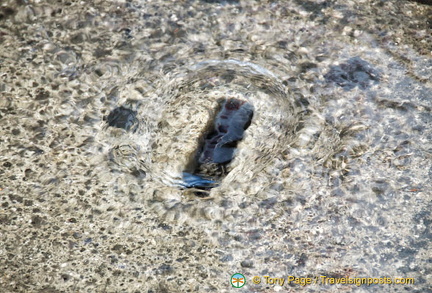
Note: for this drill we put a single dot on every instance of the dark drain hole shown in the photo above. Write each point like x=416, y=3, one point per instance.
x=218, y=146
x=124, y=118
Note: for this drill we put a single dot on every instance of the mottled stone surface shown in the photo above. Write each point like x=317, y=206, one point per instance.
x=355, y=72
x=326, y=181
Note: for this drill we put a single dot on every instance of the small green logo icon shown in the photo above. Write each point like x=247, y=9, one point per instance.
x=238, y=280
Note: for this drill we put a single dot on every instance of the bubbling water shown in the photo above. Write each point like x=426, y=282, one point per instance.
x=184, y=110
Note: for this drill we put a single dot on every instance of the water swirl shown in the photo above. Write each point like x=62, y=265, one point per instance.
x=187, y=104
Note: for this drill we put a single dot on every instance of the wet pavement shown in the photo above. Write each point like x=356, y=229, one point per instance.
x=106, y=108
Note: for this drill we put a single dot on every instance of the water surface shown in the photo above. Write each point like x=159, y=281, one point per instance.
x=332, y=177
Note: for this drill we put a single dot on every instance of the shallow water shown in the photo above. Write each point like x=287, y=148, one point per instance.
x=332, y=177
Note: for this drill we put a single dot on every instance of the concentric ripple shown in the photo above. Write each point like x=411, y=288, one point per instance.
x=183, y=108
x=189, y=102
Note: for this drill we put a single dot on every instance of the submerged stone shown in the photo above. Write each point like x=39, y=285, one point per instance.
x=231, y=122
x=220, y=143
x=124, y=118
x=355, y=72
